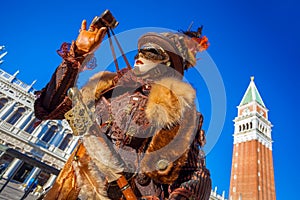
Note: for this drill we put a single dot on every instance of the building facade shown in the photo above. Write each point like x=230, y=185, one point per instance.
x=252, y=171
x=215, y=196
x=51, y=142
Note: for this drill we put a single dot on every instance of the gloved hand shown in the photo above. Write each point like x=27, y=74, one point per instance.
x=89, y=40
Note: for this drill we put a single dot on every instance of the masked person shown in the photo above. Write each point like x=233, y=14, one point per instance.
x=145, y=118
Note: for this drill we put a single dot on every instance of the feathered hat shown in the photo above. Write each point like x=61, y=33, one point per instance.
x=181, y=47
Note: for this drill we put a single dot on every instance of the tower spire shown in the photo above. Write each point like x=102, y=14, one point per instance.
x=252, y=94
x=252, y=172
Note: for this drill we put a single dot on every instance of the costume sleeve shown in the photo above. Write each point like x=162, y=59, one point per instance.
x=194, y=180
x=197, y=187
x=52, y=101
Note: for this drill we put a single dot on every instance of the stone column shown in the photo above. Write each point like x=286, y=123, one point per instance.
x=57, y=139
x=39, y=130
x=34, y=172
x=7, y=108
x=50, y=181
x=12, y=168
x=72, y=146
x=27, y=114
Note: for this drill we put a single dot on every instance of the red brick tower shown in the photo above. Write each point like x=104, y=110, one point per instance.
x=252, y=172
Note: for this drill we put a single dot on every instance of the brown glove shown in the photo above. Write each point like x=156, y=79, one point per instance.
x=89, y=40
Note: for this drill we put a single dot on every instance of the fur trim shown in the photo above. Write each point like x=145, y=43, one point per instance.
x=90, y=180
x=102, y=154
x=96, y=85
x=168, y=99
x=170, y=146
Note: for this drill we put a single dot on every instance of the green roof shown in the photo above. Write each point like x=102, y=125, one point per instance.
x=252, y=94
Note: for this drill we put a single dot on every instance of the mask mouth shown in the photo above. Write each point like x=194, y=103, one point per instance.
x=143, y=65
x=139, y=62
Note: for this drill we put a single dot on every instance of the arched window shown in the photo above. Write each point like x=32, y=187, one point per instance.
x=65, y=142
x=17, y=114
x=247, y=126
x=49, y=134
x=251, y=125
x=3, y=101
x=30, y=128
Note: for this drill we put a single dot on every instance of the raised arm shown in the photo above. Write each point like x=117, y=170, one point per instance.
x=52, y=101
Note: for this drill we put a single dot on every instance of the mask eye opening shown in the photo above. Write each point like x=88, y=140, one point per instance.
x=153, y=52
x=150, y=50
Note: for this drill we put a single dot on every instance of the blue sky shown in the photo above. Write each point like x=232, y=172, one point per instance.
x=248, y=38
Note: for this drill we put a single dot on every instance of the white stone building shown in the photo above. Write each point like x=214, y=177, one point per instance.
x=51, y=142
x=215, y=196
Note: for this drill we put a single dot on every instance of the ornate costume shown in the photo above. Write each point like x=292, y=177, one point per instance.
x=146, y=117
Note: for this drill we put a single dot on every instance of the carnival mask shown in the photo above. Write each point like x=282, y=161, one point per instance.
x=148, y=57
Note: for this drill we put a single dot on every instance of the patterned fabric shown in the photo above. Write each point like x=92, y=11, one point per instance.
x=198, y=184
x=181, y=194
x=194, y=177
x=121, y=117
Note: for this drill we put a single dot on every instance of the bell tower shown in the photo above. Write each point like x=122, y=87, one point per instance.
x=252, y=171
